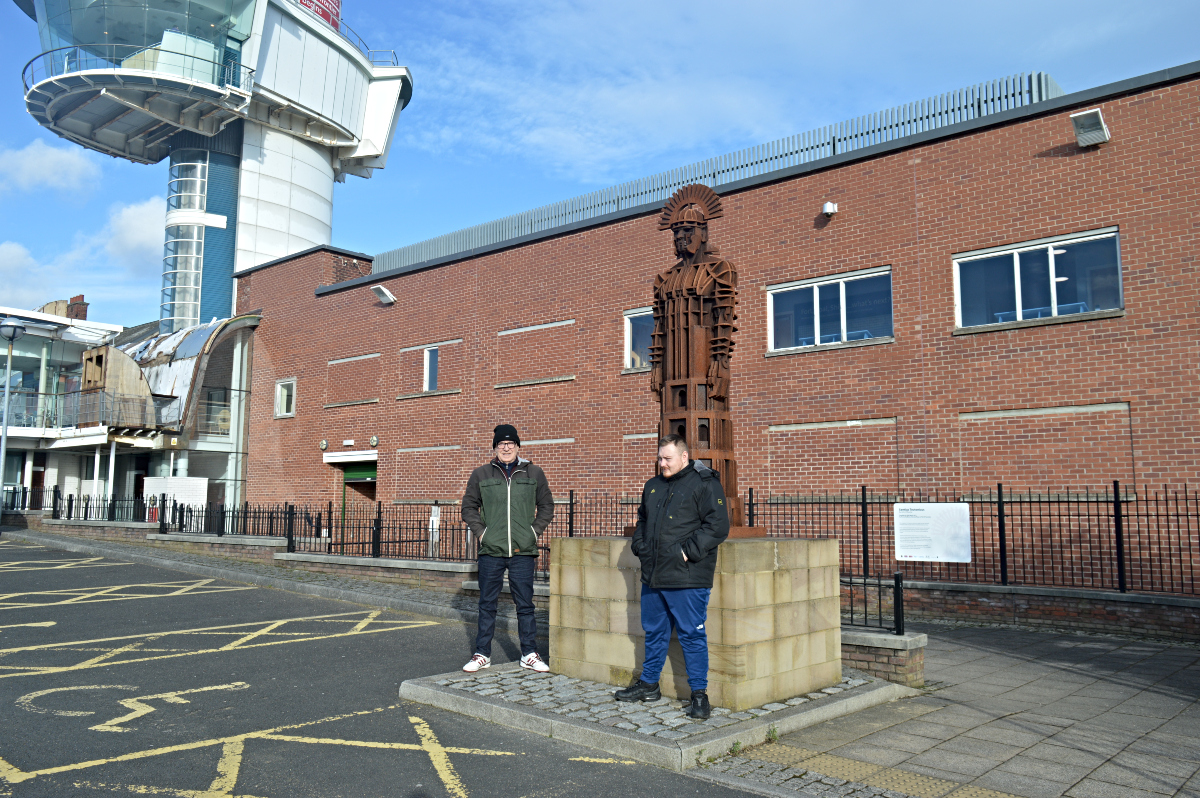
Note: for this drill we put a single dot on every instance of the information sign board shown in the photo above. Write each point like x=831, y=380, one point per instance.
x=328, y=10
x=933, y=531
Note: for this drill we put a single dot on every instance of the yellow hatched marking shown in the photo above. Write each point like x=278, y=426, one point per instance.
x=88, y=595
x=39, y=623
x=116, y=650
x=888, y=778
x=232, y=750
x=56, y=565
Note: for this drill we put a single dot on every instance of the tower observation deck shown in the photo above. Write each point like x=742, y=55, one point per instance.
x=260, y=106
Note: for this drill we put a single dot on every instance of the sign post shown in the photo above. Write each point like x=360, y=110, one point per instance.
x=933, y=531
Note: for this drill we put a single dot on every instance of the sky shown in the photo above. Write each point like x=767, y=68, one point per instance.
x=520, y=104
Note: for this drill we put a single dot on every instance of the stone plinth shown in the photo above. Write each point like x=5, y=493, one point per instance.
x=774, y=620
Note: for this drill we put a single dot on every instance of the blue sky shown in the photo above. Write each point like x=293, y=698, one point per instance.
x=520, y=104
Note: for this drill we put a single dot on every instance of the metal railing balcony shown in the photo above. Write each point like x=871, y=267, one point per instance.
x=33, y=410
x=155, y=59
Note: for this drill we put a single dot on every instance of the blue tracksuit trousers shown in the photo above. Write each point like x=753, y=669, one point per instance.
x=684, y=610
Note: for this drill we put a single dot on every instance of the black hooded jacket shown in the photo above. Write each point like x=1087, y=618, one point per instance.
x=683, y=513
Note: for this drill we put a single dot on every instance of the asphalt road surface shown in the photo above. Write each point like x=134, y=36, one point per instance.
x=118, y=678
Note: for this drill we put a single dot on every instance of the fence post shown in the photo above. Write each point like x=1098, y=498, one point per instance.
x=1119, y=524
x=866, y=554
x=571, y=514
x=377, y=531
x=750, y=507
x=898, y=603
x=112, y=507
x=57, y=511
x=221, y=520
x=289, y=526
x=70, y=506
x=329, y=546
x=1003, y=533
x=162, y=514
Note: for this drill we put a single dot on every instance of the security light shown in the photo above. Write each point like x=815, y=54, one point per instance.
x=11, y=330
x=1090, y=129
x=385, y=296
x=829, y=209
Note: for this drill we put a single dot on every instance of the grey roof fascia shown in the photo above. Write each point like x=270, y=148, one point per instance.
x=27, y=7
x=1105, y=92
x=595, y=221
x=302, y=253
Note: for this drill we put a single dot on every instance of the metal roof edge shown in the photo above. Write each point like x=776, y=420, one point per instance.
x=1107, y=91
x=303, y=252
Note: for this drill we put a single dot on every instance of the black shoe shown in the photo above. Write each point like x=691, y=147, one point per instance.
x=639, y=691
x=699, y=708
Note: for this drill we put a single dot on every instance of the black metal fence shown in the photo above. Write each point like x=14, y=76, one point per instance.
x=1115, y=538
x=876, y=602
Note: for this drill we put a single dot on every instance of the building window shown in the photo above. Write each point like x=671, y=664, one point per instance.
x=1063, y=276
x=285, y=398
x=430, y=381
x=183, y=257
x=639, y=327
x=830, y=310
x=187, y=184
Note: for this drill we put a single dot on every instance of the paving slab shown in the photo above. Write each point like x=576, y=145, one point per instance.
x=650, y=740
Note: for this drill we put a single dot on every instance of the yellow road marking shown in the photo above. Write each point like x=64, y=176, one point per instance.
x=39, y=623
x=232, y=749
x=888, y=778
x=439, y=757
x=56, y=565
x=116, y=650
x=603, y=761
x=140, y=708
x=25, y=702
x=89, y=595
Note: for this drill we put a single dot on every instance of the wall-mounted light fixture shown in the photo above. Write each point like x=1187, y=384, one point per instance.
x=385, y=296
x=1090, y=129
x=829, y=209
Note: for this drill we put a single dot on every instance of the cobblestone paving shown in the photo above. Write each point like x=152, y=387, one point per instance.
x=804, y=782
x=594, y=702
x=277, y=576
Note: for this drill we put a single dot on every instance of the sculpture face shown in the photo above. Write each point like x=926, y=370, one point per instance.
x=689, y=238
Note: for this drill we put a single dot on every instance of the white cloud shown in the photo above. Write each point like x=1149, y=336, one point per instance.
x=21, y=276
x=134, y=236
x=37, y=165
x=115, y=268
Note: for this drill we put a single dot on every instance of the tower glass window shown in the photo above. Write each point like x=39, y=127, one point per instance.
x=187, y=184
x=182, y=271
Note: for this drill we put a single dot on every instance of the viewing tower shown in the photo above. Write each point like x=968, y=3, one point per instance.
x=259, y=105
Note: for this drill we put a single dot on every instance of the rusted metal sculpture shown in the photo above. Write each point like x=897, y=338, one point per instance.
x=695, y=303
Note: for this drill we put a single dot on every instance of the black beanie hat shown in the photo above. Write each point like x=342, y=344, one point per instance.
x=505, y=432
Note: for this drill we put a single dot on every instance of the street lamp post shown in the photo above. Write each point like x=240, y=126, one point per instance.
x=10, y=330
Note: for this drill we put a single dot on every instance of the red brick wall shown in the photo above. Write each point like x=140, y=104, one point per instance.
x=909, y=209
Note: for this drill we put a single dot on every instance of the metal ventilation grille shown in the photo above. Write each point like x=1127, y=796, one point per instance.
x=961, y=105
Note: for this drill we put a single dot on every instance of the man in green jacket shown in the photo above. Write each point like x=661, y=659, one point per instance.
x=507, y=506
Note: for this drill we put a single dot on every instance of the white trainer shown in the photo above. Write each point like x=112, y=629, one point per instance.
x=534, y=663
x=478, y=663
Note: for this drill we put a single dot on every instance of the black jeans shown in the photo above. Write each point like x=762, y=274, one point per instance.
x=520, y=569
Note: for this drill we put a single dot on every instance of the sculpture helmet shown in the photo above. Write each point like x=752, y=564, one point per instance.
x=694, y=204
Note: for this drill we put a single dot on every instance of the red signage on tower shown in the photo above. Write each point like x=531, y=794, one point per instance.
x=328, y=10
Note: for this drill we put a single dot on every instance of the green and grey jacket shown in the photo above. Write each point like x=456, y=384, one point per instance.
x=508, y=514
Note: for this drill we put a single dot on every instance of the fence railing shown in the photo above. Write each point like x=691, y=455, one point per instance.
x=30, y=409
x=159, y=58
x=875, y=602
x=956, y=106
x=1115, y=538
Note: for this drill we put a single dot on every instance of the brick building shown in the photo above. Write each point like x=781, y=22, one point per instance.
x=991, y=302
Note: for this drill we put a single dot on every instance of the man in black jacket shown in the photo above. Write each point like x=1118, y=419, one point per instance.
x=681, y=522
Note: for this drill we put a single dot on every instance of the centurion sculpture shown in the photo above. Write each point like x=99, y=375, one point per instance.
x=695, y=303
